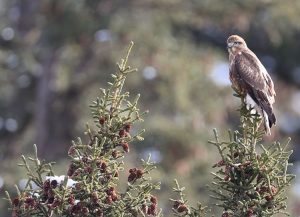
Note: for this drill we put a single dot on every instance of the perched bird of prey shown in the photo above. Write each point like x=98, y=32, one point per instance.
x=251, y=80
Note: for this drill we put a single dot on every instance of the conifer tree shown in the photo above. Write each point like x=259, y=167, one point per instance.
x=91, y=186
x=252, y=177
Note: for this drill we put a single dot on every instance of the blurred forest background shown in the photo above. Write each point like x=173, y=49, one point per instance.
x=56, y=54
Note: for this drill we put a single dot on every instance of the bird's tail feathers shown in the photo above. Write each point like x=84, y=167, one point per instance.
x=272, y=120
x=267, y=123
x=269, y=119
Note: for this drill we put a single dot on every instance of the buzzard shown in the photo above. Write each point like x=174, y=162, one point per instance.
x=251, y=80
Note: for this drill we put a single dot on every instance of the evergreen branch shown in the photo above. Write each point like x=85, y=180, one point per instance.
x=249, y=183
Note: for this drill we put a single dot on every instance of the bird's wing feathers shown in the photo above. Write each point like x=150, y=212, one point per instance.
x=269, y=81
x=254, y=74
x=257, y=81
x=248, y=68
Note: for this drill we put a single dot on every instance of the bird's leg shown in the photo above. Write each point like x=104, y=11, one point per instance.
x=243, y=99
x=237, y=91
x=242, y=95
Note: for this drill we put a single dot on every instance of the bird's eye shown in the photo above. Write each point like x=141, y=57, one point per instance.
x=237, y=43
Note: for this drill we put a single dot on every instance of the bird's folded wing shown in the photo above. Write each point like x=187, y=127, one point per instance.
x=247, y=66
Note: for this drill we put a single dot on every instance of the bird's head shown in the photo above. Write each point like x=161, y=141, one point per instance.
x=235, y=43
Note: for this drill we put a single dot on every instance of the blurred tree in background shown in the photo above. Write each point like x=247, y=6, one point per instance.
x=55, y=54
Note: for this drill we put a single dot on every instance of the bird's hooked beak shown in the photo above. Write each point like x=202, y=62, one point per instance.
x=229, y=45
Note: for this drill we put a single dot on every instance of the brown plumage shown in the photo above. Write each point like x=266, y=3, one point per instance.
x=251, y=80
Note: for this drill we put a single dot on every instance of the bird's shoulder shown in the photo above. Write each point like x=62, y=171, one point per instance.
x=247, y=57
